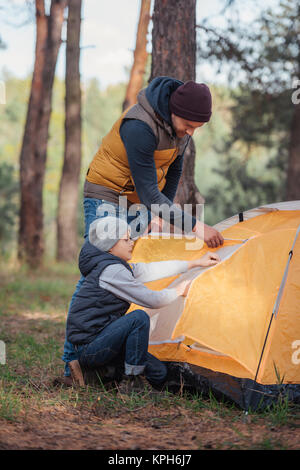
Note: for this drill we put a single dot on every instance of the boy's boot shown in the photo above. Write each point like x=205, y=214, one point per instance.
x=76, y=373
x=100, y=376
x=133, y=383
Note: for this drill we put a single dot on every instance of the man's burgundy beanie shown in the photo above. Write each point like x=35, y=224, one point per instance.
x=191, y=101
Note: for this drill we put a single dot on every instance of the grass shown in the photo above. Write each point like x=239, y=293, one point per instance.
x=32, y=324
x=270, y=444
x=10, y=403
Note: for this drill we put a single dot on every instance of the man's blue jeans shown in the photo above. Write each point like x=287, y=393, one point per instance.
x=127, y=339
x=91, y=206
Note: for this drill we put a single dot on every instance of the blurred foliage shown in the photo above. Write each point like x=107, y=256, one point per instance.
x=8, y=205
x=231, y=180
x=264, y=60
x=236, y=177
x=241, y=153
x=100, y=109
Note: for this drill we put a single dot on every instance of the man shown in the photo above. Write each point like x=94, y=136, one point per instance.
x=142, y=157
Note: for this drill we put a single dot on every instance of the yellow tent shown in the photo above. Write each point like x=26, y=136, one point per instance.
x=238, y=330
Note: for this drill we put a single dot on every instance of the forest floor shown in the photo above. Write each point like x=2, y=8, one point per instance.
x=36, y=415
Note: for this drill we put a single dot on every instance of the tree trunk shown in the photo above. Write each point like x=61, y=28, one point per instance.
x=34, y=145
x=174, y=55
x=174, y=39
x=140, y=56
x=67, y=245
x=187, y=191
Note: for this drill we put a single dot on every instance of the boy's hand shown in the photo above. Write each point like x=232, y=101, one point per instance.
x=183, y=288
x=209, y=259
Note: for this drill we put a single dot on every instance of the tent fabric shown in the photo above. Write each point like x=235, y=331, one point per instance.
x=226, y=323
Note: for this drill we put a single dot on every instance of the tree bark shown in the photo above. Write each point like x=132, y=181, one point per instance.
x=174, y=55
x=187, y=191
x=140, y=57
x=67, y=245
x=174, y=39
x=34, y=145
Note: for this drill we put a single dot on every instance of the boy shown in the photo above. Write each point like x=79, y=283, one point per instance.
x=97, y=324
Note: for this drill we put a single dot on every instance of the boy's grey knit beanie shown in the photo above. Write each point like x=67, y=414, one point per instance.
x=105, y=232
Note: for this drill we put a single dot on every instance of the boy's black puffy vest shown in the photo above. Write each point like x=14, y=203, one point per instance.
x=93, y=307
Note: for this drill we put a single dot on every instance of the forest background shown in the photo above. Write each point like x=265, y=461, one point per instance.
x=248, y=52
x=238, y=165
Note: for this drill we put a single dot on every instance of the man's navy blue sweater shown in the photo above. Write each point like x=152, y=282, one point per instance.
x=140, y=143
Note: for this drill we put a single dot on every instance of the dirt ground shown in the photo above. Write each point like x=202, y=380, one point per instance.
x=36, y=415
x=150, y=427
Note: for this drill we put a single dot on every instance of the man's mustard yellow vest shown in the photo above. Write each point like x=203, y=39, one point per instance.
x=110, y=167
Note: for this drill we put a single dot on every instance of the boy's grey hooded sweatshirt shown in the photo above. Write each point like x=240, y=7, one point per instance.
x=130, y=286
x=110, y=285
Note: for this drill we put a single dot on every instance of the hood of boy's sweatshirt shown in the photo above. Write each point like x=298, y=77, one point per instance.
x=156, y=98
x=89, y=257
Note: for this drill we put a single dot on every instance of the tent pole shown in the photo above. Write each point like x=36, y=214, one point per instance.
x=260, y=359
x=275, y=309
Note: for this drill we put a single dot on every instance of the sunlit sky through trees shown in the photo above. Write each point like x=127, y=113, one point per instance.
x=108, y=37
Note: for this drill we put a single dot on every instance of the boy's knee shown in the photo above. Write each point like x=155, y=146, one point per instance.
x=142, y=317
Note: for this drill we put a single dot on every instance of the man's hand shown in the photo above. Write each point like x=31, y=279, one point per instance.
x=209, y=259
x=212, y=237
x=155, y=225
x=183, y=288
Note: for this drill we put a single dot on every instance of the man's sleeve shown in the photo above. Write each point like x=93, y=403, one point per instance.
x=140, y=144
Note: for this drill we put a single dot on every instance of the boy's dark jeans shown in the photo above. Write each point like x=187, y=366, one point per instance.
x=126, y=337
